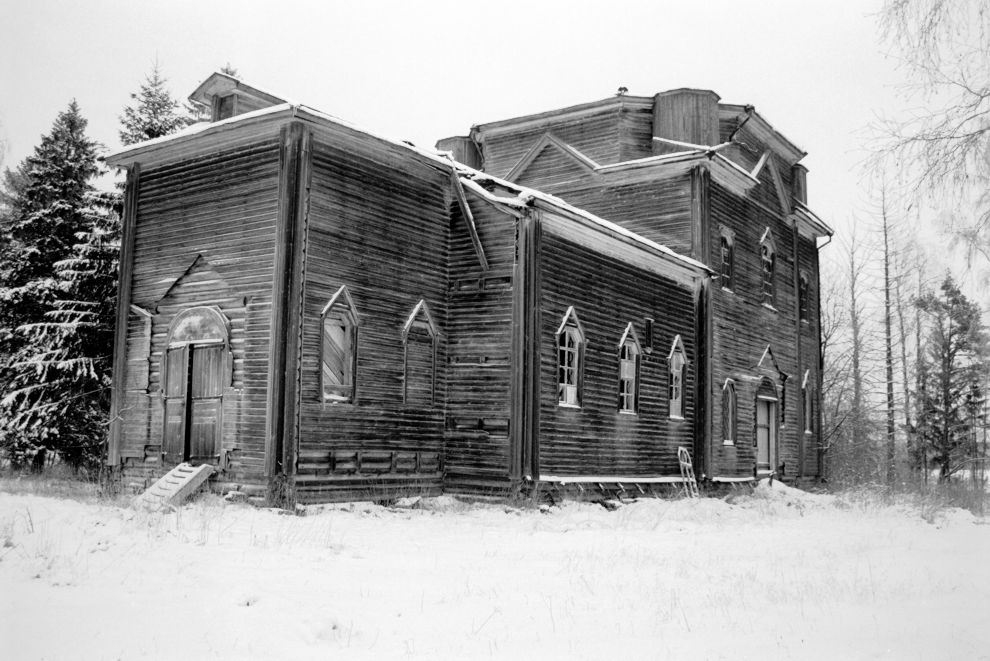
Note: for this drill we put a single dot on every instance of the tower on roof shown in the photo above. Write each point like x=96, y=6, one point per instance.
x=226, y=97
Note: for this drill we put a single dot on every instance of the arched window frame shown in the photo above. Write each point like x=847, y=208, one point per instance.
x=808, y=403
x=629, y=352
x=570, y=360
x=421, y=309
x=341, y=311
x=730, y=413
x=676, y=361
x=727, y=255
x=768, y=262
x=222, y=324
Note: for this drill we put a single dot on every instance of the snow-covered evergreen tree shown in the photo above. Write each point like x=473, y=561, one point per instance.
x=50, y=204
x=155, y=112
x=60, y=379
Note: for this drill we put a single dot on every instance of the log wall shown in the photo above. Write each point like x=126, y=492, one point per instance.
x=204, y=235
x=744, y=327
x=479, y=334
x=596, y=439
x=377, y=224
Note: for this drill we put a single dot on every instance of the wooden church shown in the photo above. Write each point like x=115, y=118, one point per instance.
x=554, y=302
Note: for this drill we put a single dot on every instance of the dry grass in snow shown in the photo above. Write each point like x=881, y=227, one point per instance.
x=778, y=574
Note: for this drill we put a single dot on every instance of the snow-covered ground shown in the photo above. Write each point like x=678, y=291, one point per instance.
x=778, y=574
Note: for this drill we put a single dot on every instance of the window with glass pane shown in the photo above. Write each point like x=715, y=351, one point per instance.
x=803, y=298
x=729, y=413
x=628, y=376
x=568, y=357
x=676, y=381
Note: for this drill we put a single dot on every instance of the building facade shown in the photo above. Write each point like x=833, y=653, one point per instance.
x=322, y=313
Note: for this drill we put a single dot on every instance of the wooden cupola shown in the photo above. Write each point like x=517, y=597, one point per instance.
x=227, y=97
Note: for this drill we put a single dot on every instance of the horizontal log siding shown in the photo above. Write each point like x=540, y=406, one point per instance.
x=479, y=335
x=222, y=207
x=382, y=230
x=596, y=136
x=596, y=439
x=636, y=133
x=743, y=327
x=657, y=210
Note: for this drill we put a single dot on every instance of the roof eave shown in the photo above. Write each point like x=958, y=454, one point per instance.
x=141, y=150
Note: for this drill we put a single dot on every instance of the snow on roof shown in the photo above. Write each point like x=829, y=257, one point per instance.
x=470, y=177
x=525, y=196
x=222, y=82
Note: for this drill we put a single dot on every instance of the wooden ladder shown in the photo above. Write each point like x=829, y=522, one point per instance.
x=174, y=487
x=687, y=472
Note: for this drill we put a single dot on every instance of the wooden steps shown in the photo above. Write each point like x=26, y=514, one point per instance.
x=174, y=487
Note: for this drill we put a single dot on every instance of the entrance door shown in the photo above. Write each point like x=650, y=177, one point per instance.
x=193, y=395
x=766, y=434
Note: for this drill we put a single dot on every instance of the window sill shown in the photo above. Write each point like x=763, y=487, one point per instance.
x=679, y=418
x=728, y=443
x=330, y=403
x=622, y=412
x=729, y=290
x=769, y=307
x=568, y=406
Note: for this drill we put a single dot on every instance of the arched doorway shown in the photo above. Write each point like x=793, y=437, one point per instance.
x=766, y=427
x=195, y=371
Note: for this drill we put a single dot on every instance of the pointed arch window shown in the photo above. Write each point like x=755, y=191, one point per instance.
x=419, y=339
x=808, y=400
x=570, y=359
x=803, y=297
x=338, y=349
x=629, y=356
x=676, y=360
x=729, y=413
x=727, y=255
x=768, y=259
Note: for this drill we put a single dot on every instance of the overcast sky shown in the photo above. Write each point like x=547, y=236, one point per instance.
x=421, y=70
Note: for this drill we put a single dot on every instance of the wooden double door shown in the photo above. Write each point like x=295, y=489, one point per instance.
x=194, y=384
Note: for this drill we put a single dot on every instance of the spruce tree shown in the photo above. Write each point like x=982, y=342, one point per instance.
x=155, y=112
x=60, y=386
x=953, y=377
x=49, y=206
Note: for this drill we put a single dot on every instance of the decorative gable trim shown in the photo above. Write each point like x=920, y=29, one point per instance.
x=768, y=364
x=570, y=316
x=421, y=309
x=630, y=333
x=342, y=296
x=677, y=346
x=549, y=140
x=199, y=263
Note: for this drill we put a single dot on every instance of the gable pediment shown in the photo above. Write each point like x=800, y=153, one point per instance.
x=199, y=281
x=550, y=146
x=768, y=174
x=767, y=366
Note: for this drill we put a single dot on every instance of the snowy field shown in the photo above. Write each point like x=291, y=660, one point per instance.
x=778, y=574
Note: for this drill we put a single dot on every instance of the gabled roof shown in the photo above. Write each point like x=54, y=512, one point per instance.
x=503, y=194
x=762, y=129
x=221, y=84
